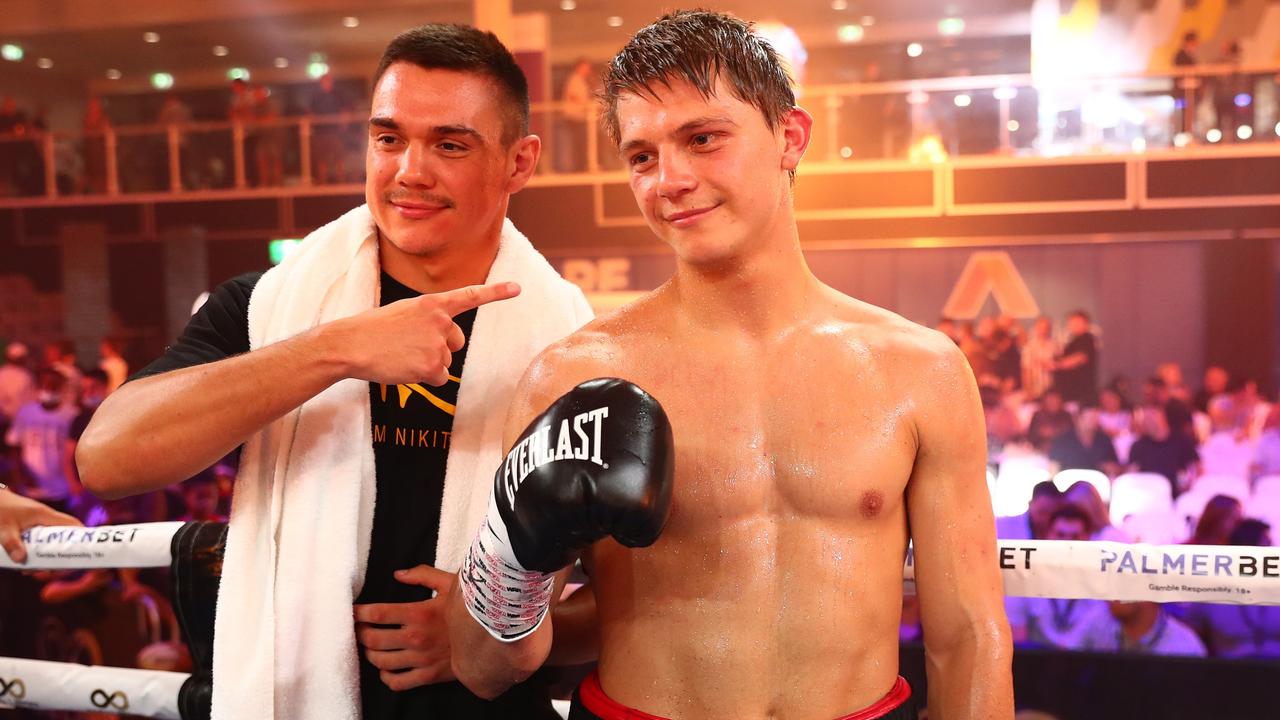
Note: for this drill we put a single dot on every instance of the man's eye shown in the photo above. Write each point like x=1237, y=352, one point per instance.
x=386, y=139
x=702, y=138
x=640, y=158
x=451, y=147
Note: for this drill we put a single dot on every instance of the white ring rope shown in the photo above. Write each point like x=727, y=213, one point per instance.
x=107, y=546
x=42, y=685
x=1030, y=568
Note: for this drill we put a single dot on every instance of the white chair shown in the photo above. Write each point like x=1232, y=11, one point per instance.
x=1139, y=493
x=1230, y=485
x=1267, y=485
x=1224, y=454
x=1017, y=478
x=1159, y=528
x=1069, y=477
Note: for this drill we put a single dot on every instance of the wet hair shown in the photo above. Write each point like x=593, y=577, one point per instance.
x=699, y=47
x=465, y=49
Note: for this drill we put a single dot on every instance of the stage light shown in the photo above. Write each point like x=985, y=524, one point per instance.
x=1004, y=92
x=951, y=26
x=44, y=63
x=161, y=81
x=614, y=21
x=1013, y=126
x=220, y=50
x=846, y=152
x=839, y=5
x=850, y=33
x=1214, y=135
x=350, y=21
x=1139, y=145
x=238, y=73
x=317, y=70
x=915, y=50
x=1243, y=100
x=963, y=100
x=281, y=62
x=1244, y=132
x=867, y=20
x=114, y=74
x=1181, y=139
x=568, y=4
x=151, y=37
x=11, y=52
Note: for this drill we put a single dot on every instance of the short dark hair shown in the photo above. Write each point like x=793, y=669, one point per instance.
x=1250, y=531
x=699, y=46
x=443, y=46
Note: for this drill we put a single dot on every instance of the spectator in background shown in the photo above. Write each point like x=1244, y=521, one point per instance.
x=1218, y=520
x=95, y=125
x=972, y=349
x=39, y=433
x=1075, y=371
x=17, y=384
x=1177, y=414
x=268, y=146
x=201, y=497
x=93, y=390
x=1085, y=448
x=1188, y=87
x=112, y=363
x=1052, y=622
x=1266, y=458
x=1049, y=422
x=1004, y=348
x=1228, y=450
x=571, y=139
x=947, y=327
x=1141, y=627
x=60, y=357
x=1171, y=374
x=1038, y=355
x=1114, y=418
x=1248, y=404
x=12, y=122
x=1239, y=631
x=1003, y=427
x=1160, y=451
x=1216, y=380
x=326, y=137
x=1034, y=523
x=1226, y=88
x=191, y=157
x=1085, y=496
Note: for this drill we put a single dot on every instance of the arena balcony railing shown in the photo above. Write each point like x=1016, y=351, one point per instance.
x=937, y=120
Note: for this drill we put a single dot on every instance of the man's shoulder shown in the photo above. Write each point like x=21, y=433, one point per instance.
x=884, y=330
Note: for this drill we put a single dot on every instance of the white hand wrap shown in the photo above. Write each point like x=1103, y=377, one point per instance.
x=508, y=600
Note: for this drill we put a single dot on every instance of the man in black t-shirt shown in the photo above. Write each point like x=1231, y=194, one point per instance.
x=1076, y=369
x=448, y=144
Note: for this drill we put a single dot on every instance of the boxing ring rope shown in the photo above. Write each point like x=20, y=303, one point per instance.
x=1030, y=568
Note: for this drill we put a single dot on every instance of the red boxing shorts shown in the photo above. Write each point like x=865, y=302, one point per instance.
x=590, y=703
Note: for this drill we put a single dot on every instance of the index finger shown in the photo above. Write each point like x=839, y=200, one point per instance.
x=473, y=296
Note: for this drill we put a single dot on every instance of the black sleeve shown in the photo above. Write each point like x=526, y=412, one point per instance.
x=218, y=330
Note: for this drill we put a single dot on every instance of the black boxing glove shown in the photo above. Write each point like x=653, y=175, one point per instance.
x=597, y=463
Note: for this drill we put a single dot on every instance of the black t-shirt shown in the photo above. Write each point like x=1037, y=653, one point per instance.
x=1167, y=457
x=1071, y=453
x=412, y=425
x=1080, y=384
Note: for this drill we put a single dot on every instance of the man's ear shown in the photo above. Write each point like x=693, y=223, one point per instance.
x=797, y=128
x=523, y=161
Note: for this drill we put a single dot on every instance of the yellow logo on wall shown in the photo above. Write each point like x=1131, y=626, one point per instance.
x=990, y=273
x=404, y=392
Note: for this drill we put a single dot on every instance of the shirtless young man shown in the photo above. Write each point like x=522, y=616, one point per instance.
x=813, y=436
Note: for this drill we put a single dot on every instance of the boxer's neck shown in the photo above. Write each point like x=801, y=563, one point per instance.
x=450, y=268
x=759, y=292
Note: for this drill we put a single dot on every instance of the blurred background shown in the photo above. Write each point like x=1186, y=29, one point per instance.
x=1084, y=194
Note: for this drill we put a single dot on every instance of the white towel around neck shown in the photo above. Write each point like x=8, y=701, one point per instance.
x=284, y=643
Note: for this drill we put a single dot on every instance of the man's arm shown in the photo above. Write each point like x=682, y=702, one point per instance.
x=160, y=430
x=968, y=653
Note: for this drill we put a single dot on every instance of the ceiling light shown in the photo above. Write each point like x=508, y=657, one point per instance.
x=151, y=37
x=1139, y=145
x=962, y=100
x=44, y=63
x=317, y=70
x=614, y=21
x=238, y=73
x=114, y=74
x=220, y=50
x=850, y=33
x=839, y=4
x=11, y=52
x=568, y=4
x=1005, y=92
x=1183, y=139
x=867, y=20
x=1013, y=125
x=951, y=26
x=161, y=81
x=350, y=21
x=1214, y=135
x=1278, y=128
x=1244, y=132
x=281, y=62
x=846, y=152
x=915, y=50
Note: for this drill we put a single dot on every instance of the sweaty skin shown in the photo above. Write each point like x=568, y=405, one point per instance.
x=814, y=434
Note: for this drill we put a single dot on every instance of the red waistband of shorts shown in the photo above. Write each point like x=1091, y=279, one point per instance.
x=594, y=699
